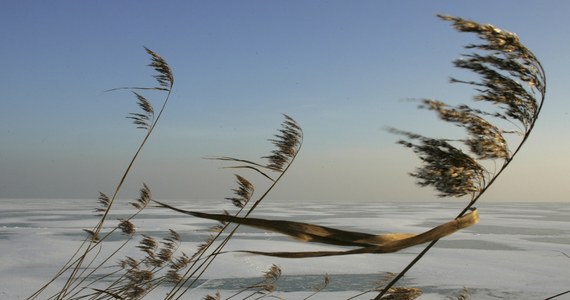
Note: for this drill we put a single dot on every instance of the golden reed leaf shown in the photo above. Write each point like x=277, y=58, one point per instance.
x=367, y=243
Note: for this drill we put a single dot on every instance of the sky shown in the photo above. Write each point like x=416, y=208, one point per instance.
x=344, y=70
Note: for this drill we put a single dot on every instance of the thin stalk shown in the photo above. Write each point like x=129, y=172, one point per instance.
x=101, y=265
x=558, y=295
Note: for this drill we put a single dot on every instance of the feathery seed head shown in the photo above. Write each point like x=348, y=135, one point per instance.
x=508, y=64
x=144, y=197
x=486, y=140
x=446, y=168
x=165, y=78
x=273, y=273
x=243, y=193
x=148, y=245
x=104, y=201
x=402, y=293
x=287, y=143
x=129, y=262
x=127, y=227
x=180, y=262
x=216, y=296
x=143, y=120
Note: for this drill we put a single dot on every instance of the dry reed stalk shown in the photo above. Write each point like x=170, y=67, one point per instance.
x=288, y=143
x=84, y=257
x=512, y=79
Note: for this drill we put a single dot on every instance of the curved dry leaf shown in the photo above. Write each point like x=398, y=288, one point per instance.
x=368, y=243
x=398, y=241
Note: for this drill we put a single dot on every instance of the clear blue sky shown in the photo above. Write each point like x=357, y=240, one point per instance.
x=342, y=69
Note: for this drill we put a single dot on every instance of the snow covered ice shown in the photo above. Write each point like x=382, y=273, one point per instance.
x=517, y=251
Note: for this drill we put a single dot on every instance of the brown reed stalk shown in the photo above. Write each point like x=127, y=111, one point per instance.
x=513, y=79
x=287, y=144
x=146, y=120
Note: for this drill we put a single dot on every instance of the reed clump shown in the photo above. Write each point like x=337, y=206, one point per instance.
x=512, y=82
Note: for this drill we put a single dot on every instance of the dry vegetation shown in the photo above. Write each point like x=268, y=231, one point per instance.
x=512, y=81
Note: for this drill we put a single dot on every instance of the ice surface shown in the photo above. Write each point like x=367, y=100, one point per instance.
x=517, y=251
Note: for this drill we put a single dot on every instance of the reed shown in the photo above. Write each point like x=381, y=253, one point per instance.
x=80, y=271
x=512, y=83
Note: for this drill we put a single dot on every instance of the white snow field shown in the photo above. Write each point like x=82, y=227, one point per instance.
x=517, y=251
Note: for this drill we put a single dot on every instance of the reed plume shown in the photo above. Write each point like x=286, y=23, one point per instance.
x=243, y=193
x=77, y=269
x=514, y=82
x=287, y=146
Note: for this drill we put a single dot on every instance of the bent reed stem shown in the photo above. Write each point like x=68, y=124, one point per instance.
x=489, y=184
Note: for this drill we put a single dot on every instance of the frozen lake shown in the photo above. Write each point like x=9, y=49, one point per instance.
x=517, y=251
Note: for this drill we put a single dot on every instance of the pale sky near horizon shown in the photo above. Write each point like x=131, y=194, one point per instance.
x=343, y=69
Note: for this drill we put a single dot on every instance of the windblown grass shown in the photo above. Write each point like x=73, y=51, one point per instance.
x=512, y=82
